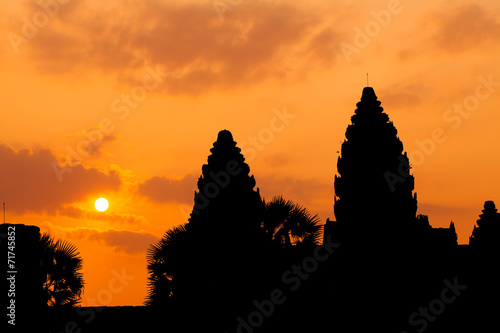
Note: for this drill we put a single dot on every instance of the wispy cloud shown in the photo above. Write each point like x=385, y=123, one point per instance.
x=254, y=44
x=404, y=95
x=453, y=29
x=130, y=242
x=29, y=184
x=126, y=241
x=160, y=189
x=467, y=26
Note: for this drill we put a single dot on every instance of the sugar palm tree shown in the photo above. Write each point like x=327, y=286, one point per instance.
x=288, y=224
x=164, y=261
x=61, y=277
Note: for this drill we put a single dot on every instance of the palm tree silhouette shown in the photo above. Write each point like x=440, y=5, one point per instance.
x=61, y=277
x=165, y=259
x=288, y=224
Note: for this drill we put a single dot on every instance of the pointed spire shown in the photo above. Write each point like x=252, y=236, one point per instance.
x=224, y=136
x=368, y=94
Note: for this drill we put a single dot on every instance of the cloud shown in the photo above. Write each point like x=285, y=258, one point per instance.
x=164, y=190
x=257, y=42
x=112, y=217
x=303, y=191
x=456, y=30
x=401, y=95
x=98, y=144
x=407, y=54
x=71, y=211
x=28, y=182
x=125, y=241
x=467, y=26
x=89, y=142
x=77, y=213
x=278, y=160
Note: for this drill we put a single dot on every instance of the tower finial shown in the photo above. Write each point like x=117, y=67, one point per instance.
x=367, y=84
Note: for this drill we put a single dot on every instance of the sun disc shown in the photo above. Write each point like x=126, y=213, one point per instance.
x=101, y=204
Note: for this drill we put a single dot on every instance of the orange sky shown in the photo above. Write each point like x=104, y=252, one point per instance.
x=152, y=83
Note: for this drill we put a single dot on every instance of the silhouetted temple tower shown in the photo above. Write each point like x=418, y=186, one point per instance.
x=486, y=234
x=223, y=253
x=374, y=186
x=226, y=197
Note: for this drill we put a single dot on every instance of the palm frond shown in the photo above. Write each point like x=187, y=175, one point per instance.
x=163, y=260
x=62, y=280
x=289, y=223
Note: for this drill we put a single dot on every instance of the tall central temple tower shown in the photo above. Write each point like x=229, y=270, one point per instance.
x=374, y=187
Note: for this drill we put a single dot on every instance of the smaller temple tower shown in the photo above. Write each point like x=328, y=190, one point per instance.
x=486, y=234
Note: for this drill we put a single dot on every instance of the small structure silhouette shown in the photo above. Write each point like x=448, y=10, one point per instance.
x=486, y=234
x=20, y=274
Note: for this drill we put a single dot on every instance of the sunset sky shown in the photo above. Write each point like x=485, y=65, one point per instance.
x=124, y=99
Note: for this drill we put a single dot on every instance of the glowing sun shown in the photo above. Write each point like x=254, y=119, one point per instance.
x=101, y=204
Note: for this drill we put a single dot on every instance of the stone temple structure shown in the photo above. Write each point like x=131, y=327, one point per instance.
x=374, y=189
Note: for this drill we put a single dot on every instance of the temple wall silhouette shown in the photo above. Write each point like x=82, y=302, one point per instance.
x=20, y=274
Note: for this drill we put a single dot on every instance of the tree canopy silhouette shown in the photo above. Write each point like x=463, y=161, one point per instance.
x=61, y=275
x=165, y=261
x=287, y=223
